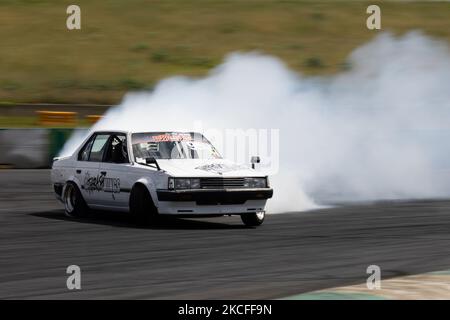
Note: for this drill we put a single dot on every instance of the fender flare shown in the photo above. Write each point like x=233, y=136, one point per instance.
x=74, y=180
x=151, y=188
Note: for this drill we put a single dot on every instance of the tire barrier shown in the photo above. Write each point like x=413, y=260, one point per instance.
x=56, y=118
x=93, y=118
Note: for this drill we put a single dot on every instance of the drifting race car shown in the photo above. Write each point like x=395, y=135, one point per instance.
x=158, y=173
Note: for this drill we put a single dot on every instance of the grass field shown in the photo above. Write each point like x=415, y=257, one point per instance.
x=129, y=45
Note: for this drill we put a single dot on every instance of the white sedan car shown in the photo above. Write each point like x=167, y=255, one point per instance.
x=158, y=173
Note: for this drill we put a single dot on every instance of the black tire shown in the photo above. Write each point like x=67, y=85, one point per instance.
x=253, y=219
x=142, y=207
x=74, y=204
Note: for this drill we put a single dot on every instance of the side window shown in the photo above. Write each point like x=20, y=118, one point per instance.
x=98, y=147
x=116, y=151
x=84, y=152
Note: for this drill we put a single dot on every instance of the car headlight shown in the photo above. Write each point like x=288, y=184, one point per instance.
x=184, y=183
x=255, y=183
x=171, y=183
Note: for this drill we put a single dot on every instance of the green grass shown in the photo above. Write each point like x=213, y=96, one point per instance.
x=130, y=45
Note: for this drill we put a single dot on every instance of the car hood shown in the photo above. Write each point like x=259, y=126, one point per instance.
x=206, y=168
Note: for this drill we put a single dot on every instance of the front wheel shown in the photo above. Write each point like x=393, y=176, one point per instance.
x=74, y=204
x=142, y=207
x=253, y=219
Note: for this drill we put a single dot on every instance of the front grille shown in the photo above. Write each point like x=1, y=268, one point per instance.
x=220, y=183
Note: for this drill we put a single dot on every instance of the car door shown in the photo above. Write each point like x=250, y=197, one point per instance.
x=88, y=165
x=116, y=169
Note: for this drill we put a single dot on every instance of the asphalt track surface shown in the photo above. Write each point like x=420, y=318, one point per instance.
x=208, y=259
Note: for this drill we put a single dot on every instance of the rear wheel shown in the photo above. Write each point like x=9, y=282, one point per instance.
x=253, y=219
x=74, y=204
x=142, y=207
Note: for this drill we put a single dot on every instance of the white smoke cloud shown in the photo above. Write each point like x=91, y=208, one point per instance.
x=377, y=131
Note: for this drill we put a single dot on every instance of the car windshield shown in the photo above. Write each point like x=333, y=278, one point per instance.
x=172, y=145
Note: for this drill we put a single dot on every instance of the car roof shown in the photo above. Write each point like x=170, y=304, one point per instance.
x=139, y=131
x=110, y=131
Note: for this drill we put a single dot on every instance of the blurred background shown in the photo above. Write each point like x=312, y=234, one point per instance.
x=130, y=45
x=54, y=81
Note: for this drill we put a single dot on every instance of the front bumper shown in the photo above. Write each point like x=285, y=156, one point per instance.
x=215, y=196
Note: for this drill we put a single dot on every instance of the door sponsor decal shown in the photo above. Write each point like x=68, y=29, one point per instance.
x=101, y=183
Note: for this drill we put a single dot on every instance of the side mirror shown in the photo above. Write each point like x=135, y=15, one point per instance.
x=254, y=160
x=152, y=160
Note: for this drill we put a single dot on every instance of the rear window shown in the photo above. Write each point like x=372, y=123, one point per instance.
x=98, y=148
x=93, y=149
x=84, y=153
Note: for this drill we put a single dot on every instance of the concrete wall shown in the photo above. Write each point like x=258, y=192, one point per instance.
x=31, y=148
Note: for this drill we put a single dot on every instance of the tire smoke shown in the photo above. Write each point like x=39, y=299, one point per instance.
x=378, y=130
